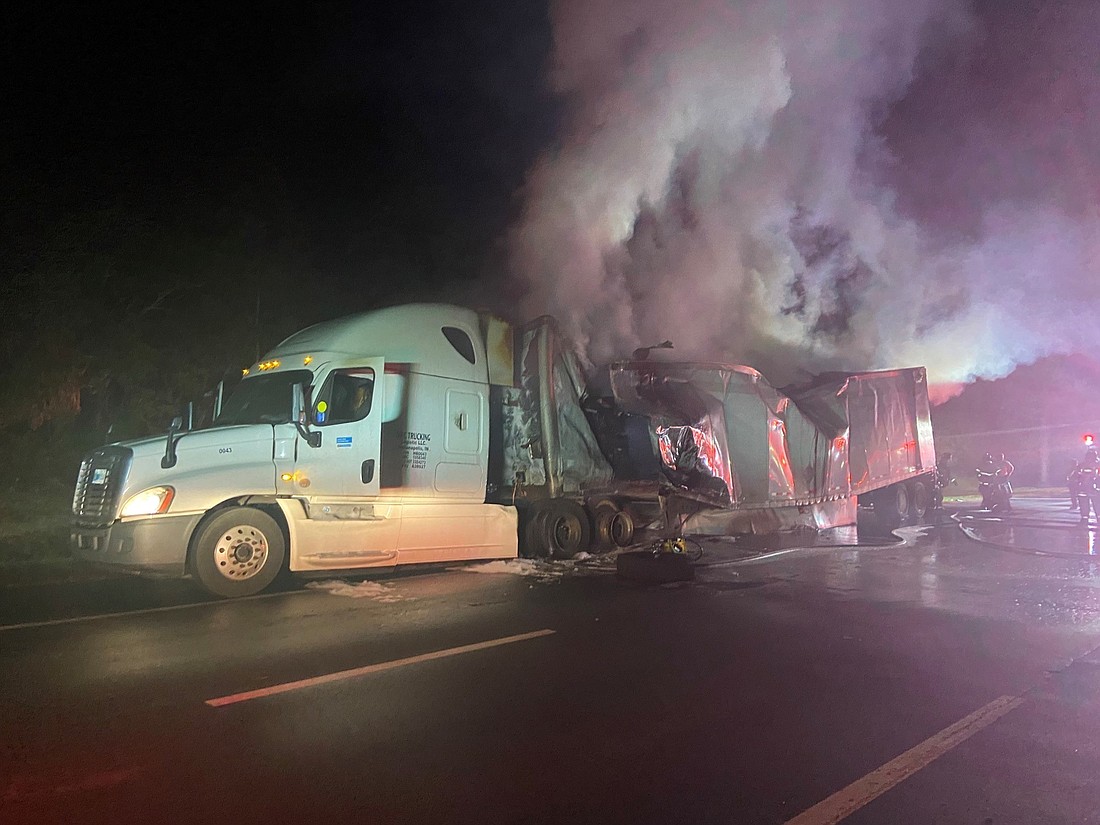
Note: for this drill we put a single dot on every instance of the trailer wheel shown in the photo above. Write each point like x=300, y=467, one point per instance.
x=900, y=500
x=238, y=552
x=919, y=499
x=890, y=507
x=613, y=527
x=534, y=544
x=562, y=528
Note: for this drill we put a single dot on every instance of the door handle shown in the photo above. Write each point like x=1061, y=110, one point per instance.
x=367, y=471
x=461, y=421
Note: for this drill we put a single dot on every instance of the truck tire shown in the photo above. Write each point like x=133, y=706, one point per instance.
x=238, y=552
x=613, y=527
x=899, y=498
x=534, y=544
x=919, y=499
x=559, y=528
x=892, y=505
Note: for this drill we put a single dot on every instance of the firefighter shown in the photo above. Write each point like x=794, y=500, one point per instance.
x=1088, y=491
x=1003, y=465
x=993, y=482
x=1073, y=482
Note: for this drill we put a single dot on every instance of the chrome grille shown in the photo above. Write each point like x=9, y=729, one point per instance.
x=102, y=473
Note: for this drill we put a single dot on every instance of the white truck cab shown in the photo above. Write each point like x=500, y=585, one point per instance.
x=360, y=442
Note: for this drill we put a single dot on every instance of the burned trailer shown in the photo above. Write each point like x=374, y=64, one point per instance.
x=891, y=451
x=544, y=456
x=740, y=456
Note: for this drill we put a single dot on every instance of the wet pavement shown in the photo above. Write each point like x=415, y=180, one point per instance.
x=788, y=679
x=1038, y=525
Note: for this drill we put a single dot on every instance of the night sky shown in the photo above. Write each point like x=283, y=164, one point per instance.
x=377, y=134
x=794, y=185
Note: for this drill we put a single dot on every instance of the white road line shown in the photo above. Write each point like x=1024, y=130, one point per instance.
x=849, y=800
x=286, y=687
x=97, y=616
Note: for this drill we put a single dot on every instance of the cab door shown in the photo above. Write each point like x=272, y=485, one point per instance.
x=347, y=411
x=345, y=525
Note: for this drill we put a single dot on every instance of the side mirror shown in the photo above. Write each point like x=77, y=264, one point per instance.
x=168, y=460
x=300, y=402
x=300, y=415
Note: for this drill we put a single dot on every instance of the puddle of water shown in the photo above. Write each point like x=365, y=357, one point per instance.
x=1043, y=527
x=848, y=536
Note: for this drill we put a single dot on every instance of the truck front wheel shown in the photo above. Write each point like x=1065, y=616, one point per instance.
x=238, y=552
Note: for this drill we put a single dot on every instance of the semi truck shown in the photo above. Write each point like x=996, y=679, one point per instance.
x=430, y=433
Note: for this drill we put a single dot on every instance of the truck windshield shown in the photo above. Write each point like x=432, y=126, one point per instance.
x=265, y=399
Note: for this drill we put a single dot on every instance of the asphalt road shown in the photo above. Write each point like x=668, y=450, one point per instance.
x=939, y=680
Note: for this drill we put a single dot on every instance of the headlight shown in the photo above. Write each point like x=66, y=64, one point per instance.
x=148, y=502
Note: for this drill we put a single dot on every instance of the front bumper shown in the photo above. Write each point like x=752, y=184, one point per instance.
x=148, y=545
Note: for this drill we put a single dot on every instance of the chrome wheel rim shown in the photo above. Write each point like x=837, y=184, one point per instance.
x=241, y=552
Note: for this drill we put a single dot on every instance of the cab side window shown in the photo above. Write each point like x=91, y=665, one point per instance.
x=461, y=342
x=346, y=396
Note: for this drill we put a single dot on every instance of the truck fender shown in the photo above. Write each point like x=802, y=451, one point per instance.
x=267, y=504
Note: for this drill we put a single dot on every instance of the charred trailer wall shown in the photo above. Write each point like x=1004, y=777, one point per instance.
x=689, y=422
x=546, y=445
x=764, y=449
x=889, y=429
x=803, y=459
x=844, y=434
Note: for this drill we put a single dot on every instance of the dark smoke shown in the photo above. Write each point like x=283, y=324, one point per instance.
x=802, y=186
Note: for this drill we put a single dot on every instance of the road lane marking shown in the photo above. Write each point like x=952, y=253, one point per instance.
x=165, y=609
x=850, y=799
x=286, y=687
x=29, y=787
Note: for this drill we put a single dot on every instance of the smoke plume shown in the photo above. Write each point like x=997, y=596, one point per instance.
x=802, y=186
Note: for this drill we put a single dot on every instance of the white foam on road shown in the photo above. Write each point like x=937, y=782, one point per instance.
x=545, y=569
x=376, y=591
x=908, y=535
